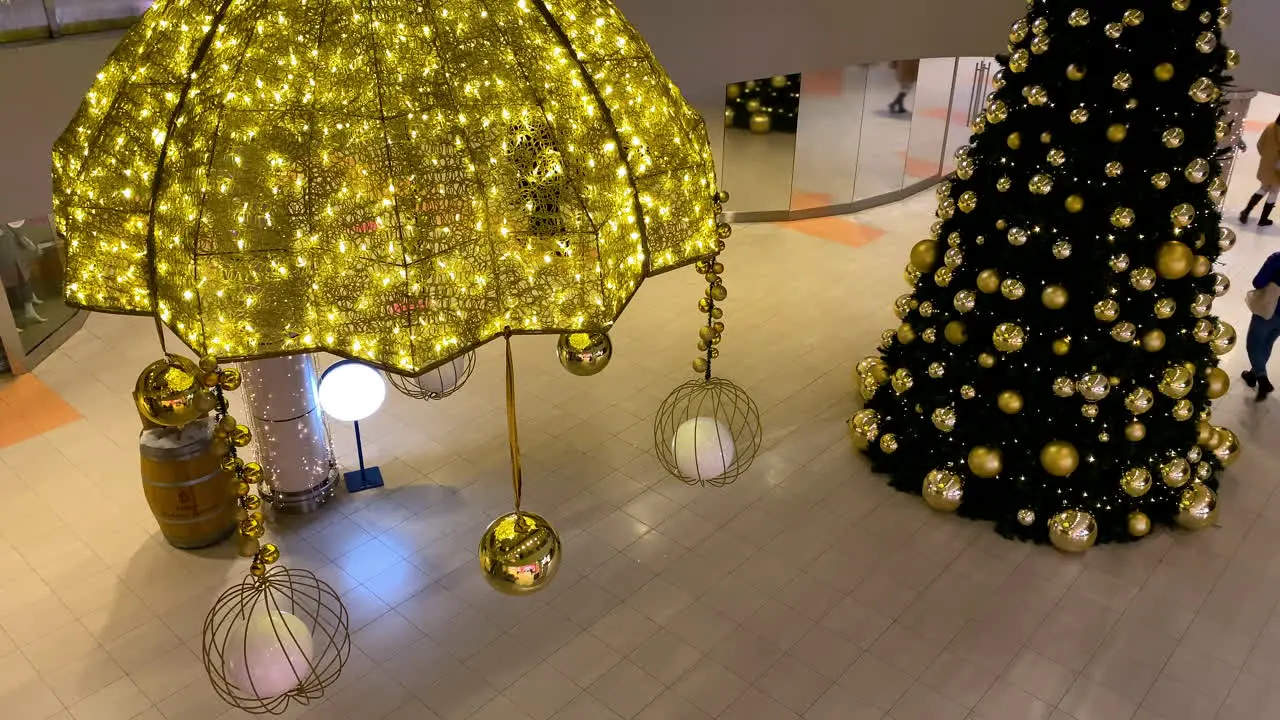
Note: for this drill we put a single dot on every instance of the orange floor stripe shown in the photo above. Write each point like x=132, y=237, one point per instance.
x=834, y=229
x=29, y=408
x=958, y=118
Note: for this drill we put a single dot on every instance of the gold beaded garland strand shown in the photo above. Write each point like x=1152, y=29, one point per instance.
x=709, y=335
x=229, y=436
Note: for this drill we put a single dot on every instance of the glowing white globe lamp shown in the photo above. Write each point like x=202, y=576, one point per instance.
x=351, y=391
x=269, y=655
x=703, y=448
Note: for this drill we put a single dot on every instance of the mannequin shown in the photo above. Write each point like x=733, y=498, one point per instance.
x=15, y=269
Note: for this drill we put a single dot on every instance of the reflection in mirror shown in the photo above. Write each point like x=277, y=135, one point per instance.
x=973, y=82
x=886, y=128
x=760, y=121
x=828, y=138
x=929, y=119
x=31, y=270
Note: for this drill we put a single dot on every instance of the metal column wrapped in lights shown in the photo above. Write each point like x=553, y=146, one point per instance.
x=707, y=431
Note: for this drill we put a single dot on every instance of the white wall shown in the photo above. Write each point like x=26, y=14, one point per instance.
x=703, y=43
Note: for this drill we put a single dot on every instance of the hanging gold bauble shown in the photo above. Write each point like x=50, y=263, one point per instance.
x=584, y=354
x=1153, y=340
x=1073, y=531
x=924, y=256
x=761, y=123
x=1197, y=507
x=988, y=281
x=1228, y=447
x=985, y=462
x=1059, y=458
x=1164, y=72
x=1139, y=524
x=1136, y=481
x=1174, y=260
x=943, y=491
x=1009, y=402
x=1054, y=297
x=956, y=333
x=519, y=553
x=1218, y=381
x=168, y=392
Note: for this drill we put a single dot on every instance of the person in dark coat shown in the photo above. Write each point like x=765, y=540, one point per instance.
x=908, y=72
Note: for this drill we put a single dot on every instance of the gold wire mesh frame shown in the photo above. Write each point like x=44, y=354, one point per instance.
x=412, y=386
x=722, y=401
x=280, y=589
x=393, y=182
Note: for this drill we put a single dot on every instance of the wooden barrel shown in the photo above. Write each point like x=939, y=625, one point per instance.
x=190, y=495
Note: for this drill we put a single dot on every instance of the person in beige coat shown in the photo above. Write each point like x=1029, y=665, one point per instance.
x=1268, y=175
x=908, y=71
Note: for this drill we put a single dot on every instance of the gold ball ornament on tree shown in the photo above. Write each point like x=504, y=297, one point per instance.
x=1062, y=346
x=943, y=491
x=1174, y=260
x=1106, y=310
x=1079, y=116
x=168, y=393
x=1123, y=217
x=1139, y=401
x=864, y=428
x=1136, y=482
x=986, y=360
x=1173, y=137
x=924, y=256
x=906, y=334
x=1227, y=450
x=761, y=123
x=1197, y=507
x=1153, y=340
x=1093, y=386
x=1176, y=382
x=1203, y=90
x=1010, y=402
x=1164, y=72
x=988, y=281
x=985, y=462
x=1073, y=531
x=1176, y=472
x=1075, y=73
x=1074, y=203
x=519, y=553
x=1008, y=337
x=1224, y=339
x=956, y=333
x=1054, y=297
x=1142, y=279
x=1059, y=458
x=1139, y=524
x=778, y=81
x=1218, y=381
x=1197, y=171
x=584, y=354
x=1117, y=132
x=1135, y=431
x=888, y=443
x=1182, y=215
x=753, y=105
x=1164, y=308
x=1161, y=180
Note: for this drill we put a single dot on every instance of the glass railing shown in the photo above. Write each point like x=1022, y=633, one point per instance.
x=35, y=321
x=838, y=141
x=25, y=20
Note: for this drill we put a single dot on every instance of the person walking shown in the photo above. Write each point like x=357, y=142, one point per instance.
x=1268, y=175
x=1264, y=325
x=908, y=71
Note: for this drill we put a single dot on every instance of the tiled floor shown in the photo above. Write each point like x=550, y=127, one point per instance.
x=807, y=590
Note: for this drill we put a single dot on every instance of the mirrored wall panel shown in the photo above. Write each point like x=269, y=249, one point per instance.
x=761, y=118
x=829, y=138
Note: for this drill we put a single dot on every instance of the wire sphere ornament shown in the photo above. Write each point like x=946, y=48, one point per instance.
x=276, y=639
x=437, y=383
x=707, y=432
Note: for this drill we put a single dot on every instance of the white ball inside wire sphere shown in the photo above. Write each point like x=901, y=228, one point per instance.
x=444, y=379
x=351, y=391
x=270, y=655
x=703, y=448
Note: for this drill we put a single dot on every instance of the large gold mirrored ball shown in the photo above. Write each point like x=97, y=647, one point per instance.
x=168, y=392
x=1219, y=382
x=1139, y=524
x=924, y=255
x=1073, y=531
x=1010, y=402
x=519, y=553
x=1227, y=447
x=1059, y=458
x=1198, y=507
x=584, y=354
x=985, y=462
x=943, y=491
x=1174, y=260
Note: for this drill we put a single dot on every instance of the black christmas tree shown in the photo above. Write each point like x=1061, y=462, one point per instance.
x=764, y=105
x=1057, y=358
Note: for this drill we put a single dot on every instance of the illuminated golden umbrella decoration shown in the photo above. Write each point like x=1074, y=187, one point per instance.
x=394, y=181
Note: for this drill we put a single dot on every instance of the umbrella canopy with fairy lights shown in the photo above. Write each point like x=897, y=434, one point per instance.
x=396, y=181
